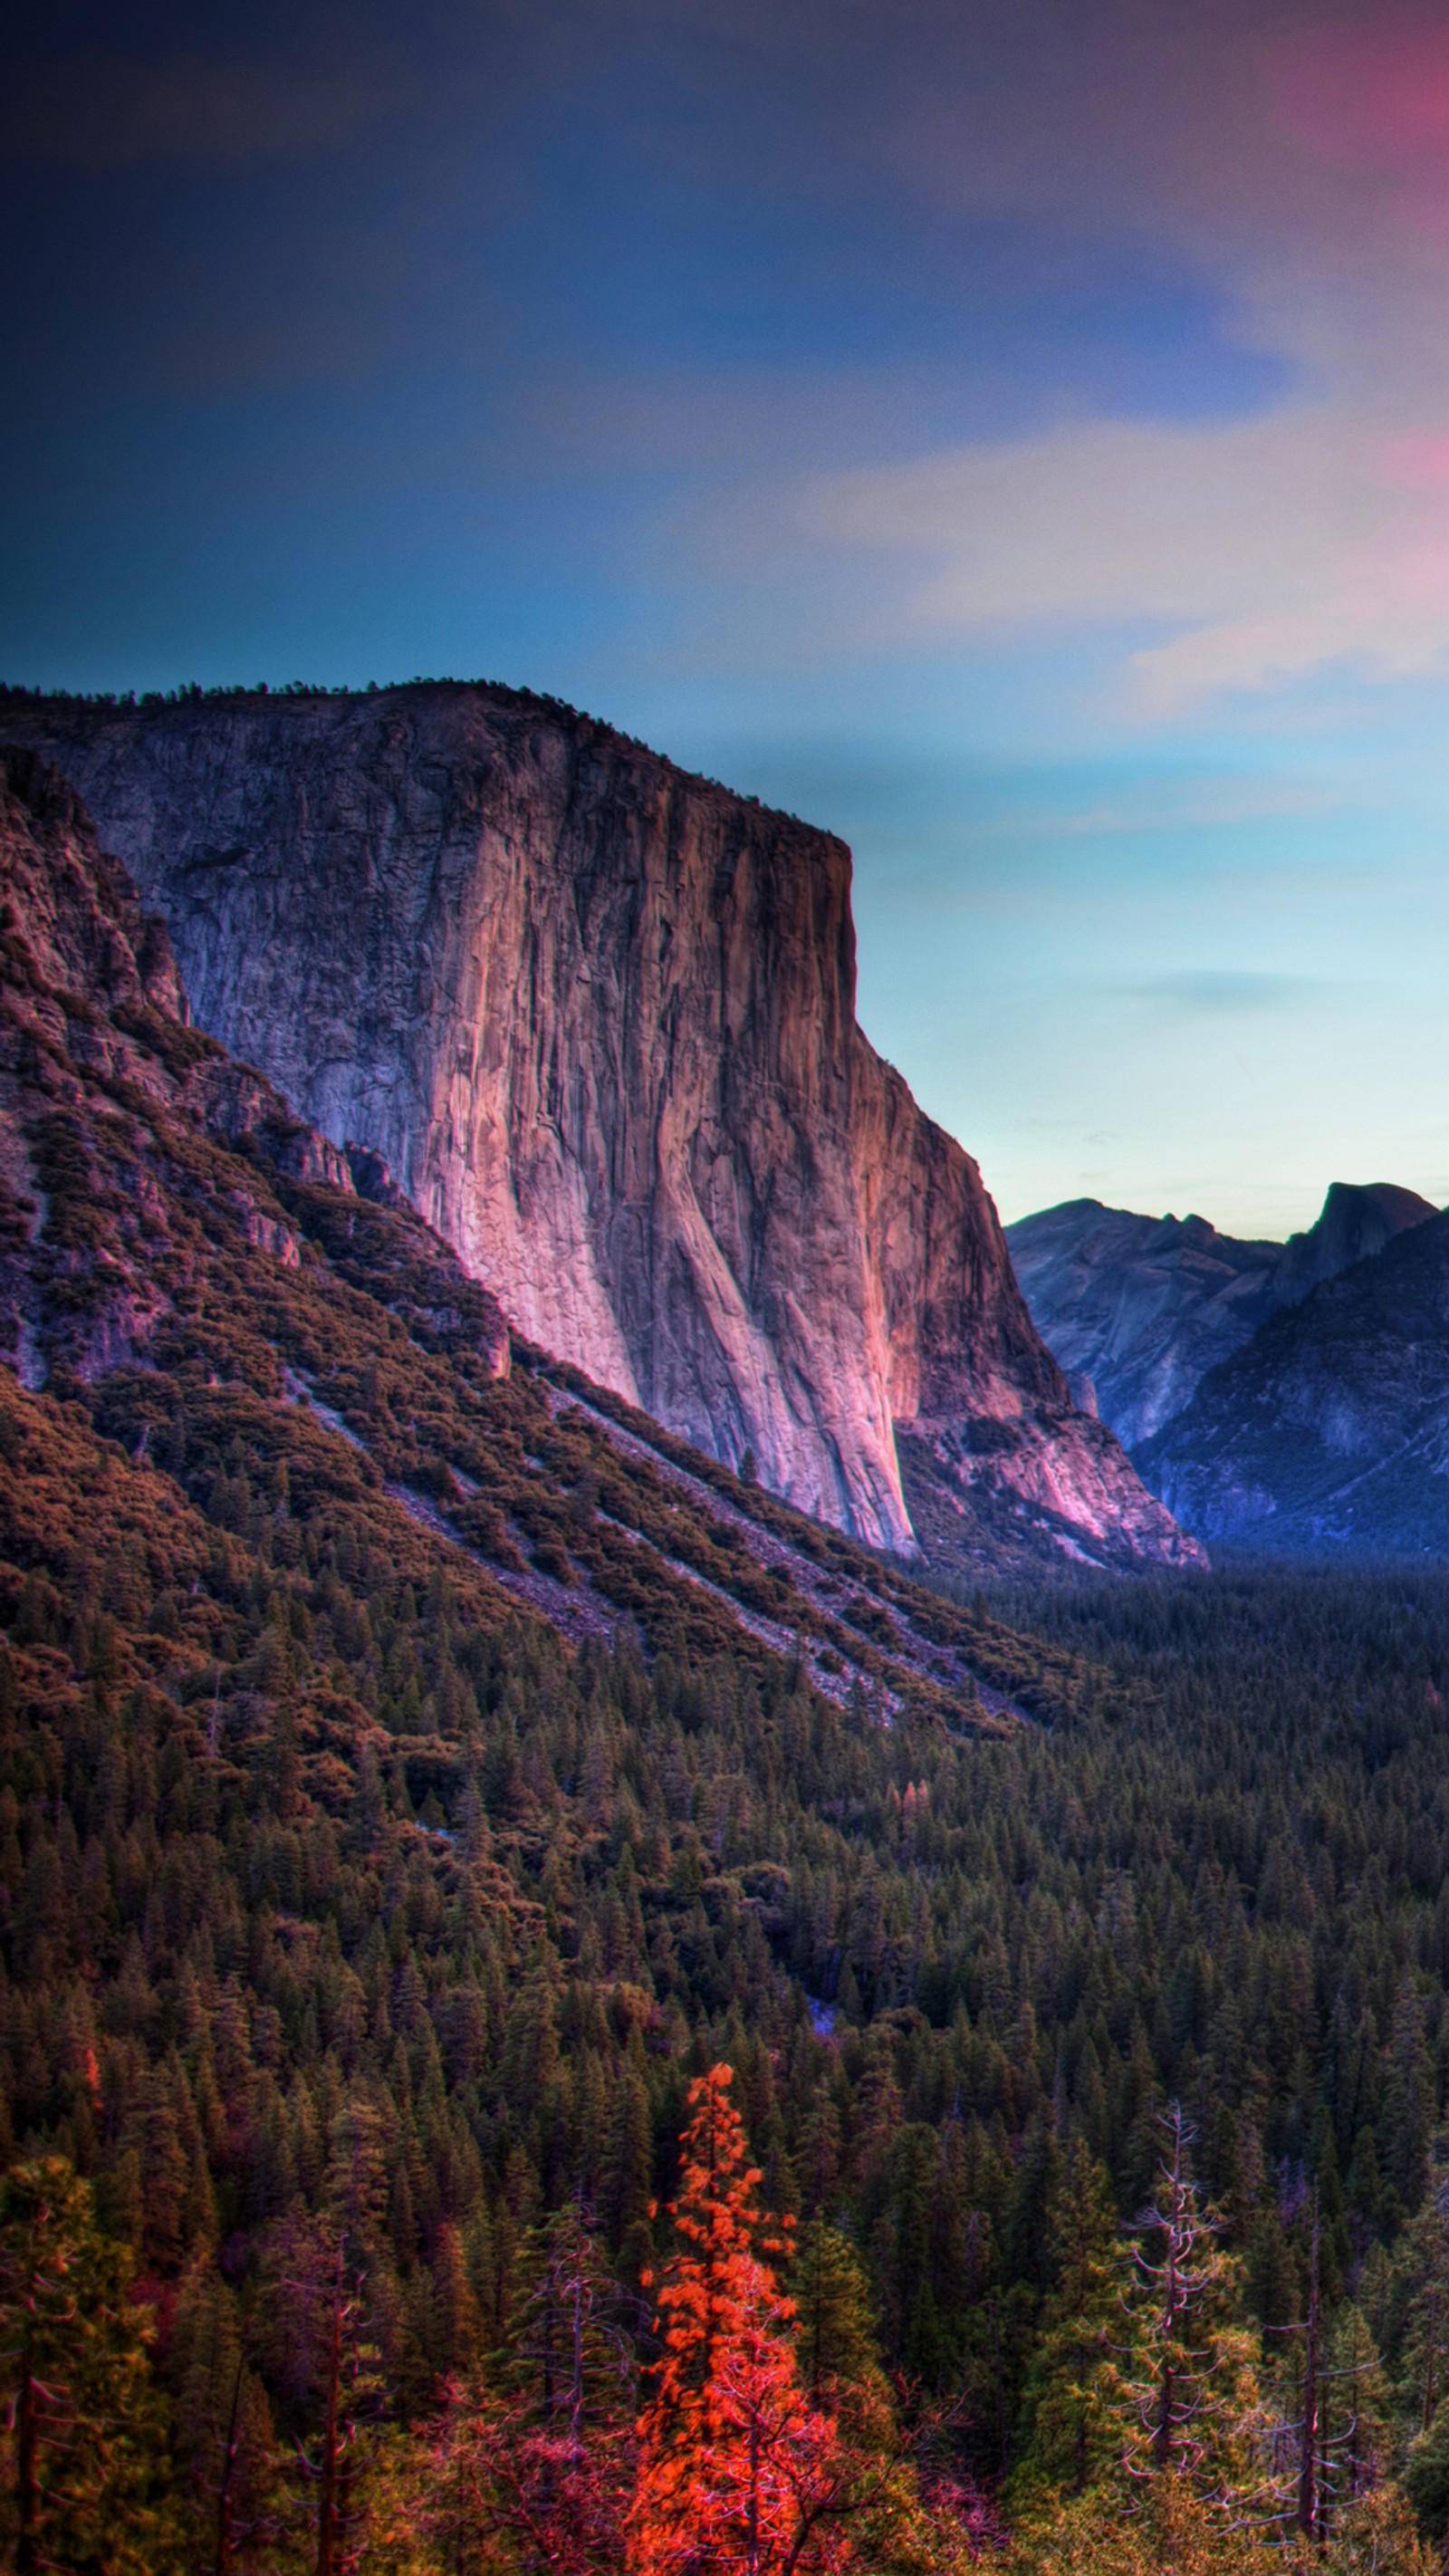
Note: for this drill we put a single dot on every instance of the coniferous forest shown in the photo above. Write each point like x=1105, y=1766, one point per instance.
x=376, y=2194
x=555, y=2015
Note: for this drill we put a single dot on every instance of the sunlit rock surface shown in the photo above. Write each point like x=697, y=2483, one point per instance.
x=598, y=1018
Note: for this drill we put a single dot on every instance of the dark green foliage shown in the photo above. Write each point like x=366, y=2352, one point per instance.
x=412, y=1775
x=85, y=2476
x=342, y=1895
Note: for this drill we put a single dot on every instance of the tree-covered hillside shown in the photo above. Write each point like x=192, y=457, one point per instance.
x=305, y=1860
x=554, y=2014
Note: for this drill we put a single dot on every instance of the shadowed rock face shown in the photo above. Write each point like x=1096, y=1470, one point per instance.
x=66, y=904
x=100, y=1248
x=1354, y=1222
x=1144, y=1306
x=1330, y=1429
x=1141, y=1305
x=598, y=1018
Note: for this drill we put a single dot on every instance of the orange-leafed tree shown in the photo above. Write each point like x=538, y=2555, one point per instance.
x=728, y=2443
x=739, y=2473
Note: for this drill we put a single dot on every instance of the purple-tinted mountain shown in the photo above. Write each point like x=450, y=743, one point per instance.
x=598, y=1017
x=1329, y=1431
x=1144, y=1306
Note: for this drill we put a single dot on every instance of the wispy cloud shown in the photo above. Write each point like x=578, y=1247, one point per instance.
x=1295, y=166
x=1267, y=548
x=1202, y=805
x=1229, y=989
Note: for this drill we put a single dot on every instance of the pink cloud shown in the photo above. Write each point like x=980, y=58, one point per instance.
x=1419, y=460
x=1374, y=97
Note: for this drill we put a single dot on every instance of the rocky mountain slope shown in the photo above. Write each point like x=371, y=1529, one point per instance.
x=598, y=1017
x=1330, y=1429
x=1145, y=1306
x=1355, y=1221
x=233, y=1357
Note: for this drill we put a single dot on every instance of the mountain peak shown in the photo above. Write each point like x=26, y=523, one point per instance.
x=1144, y=1306
x=1356, y=1220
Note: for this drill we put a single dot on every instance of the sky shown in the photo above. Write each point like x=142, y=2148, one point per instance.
x=1012, y=433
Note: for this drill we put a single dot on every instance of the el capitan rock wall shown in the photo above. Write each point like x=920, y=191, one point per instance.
x=598, y=1016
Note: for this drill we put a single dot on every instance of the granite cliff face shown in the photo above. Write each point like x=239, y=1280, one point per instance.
x=138, y=1163
x=598, y=1018
x=1330, y=1429
x=244, y=1362
x=1140, y=1305
x=1144, y=1306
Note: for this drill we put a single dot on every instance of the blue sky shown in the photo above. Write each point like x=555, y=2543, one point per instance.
x=1016, y=436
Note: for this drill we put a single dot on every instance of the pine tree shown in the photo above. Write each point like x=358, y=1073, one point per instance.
x=542, y=2458
x=737, y=2468
x=1376, y=2536
x=1426, y=2476
x=1074, y=2395
x=348, y=2398
x=834, y=2328
x=629, y=2161
x=1422, y=2280
x=569, y=2359
x=455, y=2324
x=87, y=2459
x=323, y=2307
x=223, y=2432
x=1356, y=2430
x=1193, y=2409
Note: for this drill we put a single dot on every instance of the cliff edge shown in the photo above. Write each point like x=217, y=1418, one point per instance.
x=598, y=1017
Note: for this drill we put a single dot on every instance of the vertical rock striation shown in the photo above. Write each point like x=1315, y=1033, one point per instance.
x=598, y=1017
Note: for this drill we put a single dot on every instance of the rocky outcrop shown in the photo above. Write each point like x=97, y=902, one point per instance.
x=598, y=1018
x=1141, y=1305
x=1144, y=1306
x=242, y=1350
x=68, y=914
x=1355, y=1221
x=1329, y=1431
x=97, y=1061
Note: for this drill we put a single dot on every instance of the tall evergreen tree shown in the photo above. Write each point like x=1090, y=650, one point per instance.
x=1075, y=2400
x=727, y=2440
x=1193, y=2406
x=86, y=2459
x=835, y=2334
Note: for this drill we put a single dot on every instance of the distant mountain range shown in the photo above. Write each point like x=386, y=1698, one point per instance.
x=1292, y=1396
x=1330, y=1428
x=1144, y=1306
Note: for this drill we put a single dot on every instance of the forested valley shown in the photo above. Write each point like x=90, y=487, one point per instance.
x=557, y=2016
x=345, y=2109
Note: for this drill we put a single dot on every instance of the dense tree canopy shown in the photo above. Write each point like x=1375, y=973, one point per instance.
x=414, y=2005
x=428, y=1794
